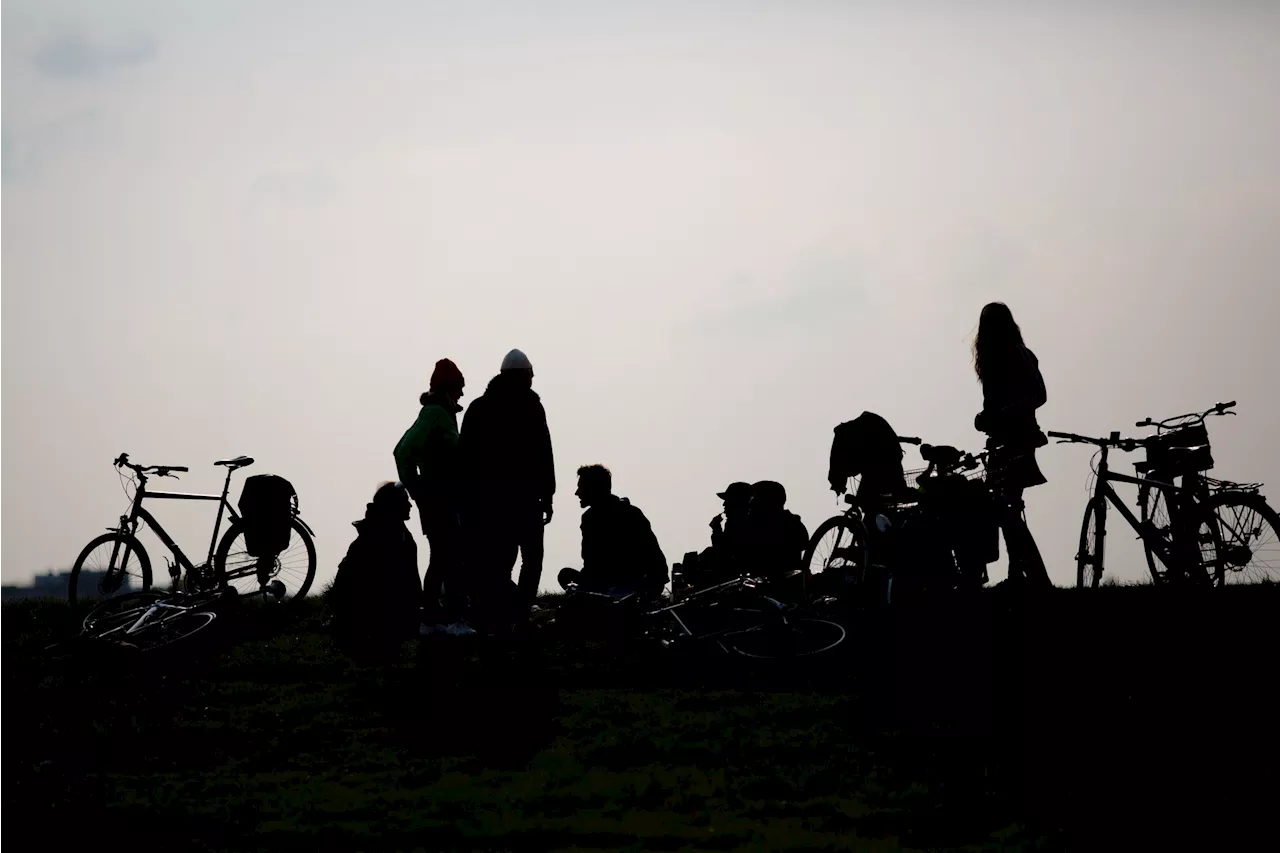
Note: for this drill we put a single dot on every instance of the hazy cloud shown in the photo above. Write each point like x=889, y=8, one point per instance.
x=805, y=298
x=73, y=54
x=27, y=149
x=7, y=153
x=304, y=188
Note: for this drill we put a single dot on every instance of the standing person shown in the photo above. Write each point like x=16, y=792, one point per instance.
x=511, y=481
x=1012, y=390
x=426, y=459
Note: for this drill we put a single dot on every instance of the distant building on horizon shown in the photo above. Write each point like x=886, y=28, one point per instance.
x=54, y=585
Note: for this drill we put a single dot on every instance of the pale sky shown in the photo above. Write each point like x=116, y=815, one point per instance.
x=717, y=229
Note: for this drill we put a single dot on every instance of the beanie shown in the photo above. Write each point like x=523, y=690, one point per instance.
x=446, y=375
x=516, y=360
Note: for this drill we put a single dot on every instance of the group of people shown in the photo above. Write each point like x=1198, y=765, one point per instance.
x=485, y=488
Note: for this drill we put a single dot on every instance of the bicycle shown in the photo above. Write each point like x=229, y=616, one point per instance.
x=150, y=621
x=1248, y=527
x=848, y=560
x=1188, y=547
x=751, y=624
x=227, y=564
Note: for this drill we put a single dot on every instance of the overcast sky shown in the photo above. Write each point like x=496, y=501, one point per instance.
x=717, y=229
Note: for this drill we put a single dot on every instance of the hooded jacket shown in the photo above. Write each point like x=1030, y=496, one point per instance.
x=505, y=444
x=427, y=454
x=376, y=593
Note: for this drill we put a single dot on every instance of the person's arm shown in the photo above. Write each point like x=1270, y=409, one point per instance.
x=546, y=464
x=409, y=453
x=655, y=562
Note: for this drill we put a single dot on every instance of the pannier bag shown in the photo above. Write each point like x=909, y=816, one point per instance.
x=266, y=510
x=867, y=446
x=1183, y=451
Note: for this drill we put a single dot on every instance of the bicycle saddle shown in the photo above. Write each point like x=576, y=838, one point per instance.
x=238, y=462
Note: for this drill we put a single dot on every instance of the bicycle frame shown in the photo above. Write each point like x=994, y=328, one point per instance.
x=129, y=523
x=1166, y=552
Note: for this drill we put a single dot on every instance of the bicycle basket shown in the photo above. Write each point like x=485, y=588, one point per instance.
x=1183, y=451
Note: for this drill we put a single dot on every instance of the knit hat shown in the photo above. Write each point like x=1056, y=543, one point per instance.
x=516, y=360
x=446, y=375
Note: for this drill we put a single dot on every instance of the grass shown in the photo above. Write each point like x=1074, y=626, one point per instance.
x=1117, y=717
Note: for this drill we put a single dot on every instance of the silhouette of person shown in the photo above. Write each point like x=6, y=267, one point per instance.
x=776, y=537
x=620, y=554
x=375, y=594
x=426, y=459
x=1012, y=390
x=511, y=479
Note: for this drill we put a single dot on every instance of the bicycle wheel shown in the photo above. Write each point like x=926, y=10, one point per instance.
x=1249, y=534
x=836, y=555
x=295, y=566
x=1092, y=541
x=1154, y=511
x=785, y=639
x=116, y=614
x=113, y=564
x=167, y=630
x=1154, y=504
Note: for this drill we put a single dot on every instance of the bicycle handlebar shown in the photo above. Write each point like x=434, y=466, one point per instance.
x=1126, y=444
x=1216, y=409
x=122, y=461
x=907, y=439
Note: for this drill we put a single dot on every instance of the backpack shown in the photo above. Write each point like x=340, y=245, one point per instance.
x=266, y=506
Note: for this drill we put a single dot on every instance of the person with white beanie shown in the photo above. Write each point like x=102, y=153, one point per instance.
x=511, y=478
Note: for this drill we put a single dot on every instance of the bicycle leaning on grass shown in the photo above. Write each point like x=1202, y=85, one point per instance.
x=1248, y=528
x=936, y=535
x=118, y=559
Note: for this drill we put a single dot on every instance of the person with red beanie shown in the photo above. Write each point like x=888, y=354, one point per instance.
x=427, y=463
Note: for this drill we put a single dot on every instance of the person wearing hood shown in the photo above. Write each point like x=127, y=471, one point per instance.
x=374, y=597
x=427, y=462
x=776, y=537
x=511, y=479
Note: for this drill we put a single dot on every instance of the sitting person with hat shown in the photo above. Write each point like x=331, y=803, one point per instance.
x=776, y=537
x=729, y=542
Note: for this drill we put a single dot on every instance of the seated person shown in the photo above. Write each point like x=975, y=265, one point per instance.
x=376, y=593
x=620, y=554
x=776, y=537
x=724, y=559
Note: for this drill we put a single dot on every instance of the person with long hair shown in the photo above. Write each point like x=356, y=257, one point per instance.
x=1012, y=390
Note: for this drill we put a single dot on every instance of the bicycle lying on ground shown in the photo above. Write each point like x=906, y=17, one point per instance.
x=1248, y=528
x=118, y=558
x=734, y=616
x=1187, y=548
x=149, y=621
x=862, y=552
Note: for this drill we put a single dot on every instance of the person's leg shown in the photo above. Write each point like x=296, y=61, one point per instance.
x=433, y=578
x=1025, y=562
x=531, y=551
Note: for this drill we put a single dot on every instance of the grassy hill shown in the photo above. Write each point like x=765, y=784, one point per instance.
x=1121, y=719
